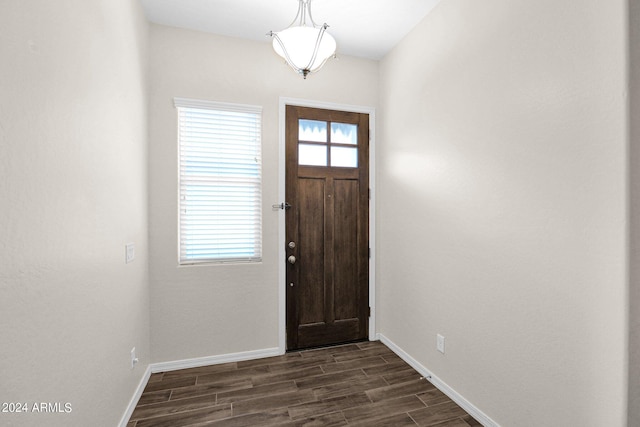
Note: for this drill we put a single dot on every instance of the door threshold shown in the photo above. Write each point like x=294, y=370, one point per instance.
x=319, y=347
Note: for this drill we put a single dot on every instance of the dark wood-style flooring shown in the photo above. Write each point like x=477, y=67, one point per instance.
x=361, y=384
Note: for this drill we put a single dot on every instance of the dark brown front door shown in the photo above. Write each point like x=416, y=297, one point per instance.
x=327, y=226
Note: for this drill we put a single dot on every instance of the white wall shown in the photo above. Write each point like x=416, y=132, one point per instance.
x=73, y=156
x=502, y=174
x=200, y=311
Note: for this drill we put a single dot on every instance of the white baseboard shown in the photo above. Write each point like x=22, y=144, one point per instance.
x=214, y=360
x=440, y=385
x=192, y=363
x=136, y=396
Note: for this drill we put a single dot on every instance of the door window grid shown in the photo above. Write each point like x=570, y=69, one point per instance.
x=322, y=143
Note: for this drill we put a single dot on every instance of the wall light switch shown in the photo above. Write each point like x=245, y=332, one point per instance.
x=134, y=359
x=440, y=343
x=130, y=253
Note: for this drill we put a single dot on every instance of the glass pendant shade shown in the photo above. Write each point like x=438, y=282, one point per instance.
x=305, y=47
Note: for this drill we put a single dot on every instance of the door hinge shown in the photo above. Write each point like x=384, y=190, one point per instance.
x=369, y=312
x=369, y=194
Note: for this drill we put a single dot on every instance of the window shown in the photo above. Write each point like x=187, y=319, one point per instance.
x=220, y=182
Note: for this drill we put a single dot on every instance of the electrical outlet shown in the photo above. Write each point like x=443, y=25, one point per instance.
x=134, y=359
x=440, y=343
x=129, y=253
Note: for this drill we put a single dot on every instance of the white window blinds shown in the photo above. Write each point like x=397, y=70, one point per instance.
x=220, y=201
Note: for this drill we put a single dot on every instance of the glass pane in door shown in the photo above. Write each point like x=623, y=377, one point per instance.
x=346, y=157
x=312, y=155
x=344, y=133
x=312, y=130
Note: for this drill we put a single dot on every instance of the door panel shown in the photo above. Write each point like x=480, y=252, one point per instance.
x=310, y=264
x=327, y=183
x=345, y=249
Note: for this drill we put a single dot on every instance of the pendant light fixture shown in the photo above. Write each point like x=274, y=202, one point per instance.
x=305, y=45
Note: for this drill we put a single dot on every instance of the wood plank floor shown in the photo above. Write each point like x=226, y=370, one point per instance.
x=361, y=384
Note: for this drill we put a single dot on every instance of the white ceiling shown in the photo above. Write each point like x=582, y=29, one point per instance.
x=364, y=28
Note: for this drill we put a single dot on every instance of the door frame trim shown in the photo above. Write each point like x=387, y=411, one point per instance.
x=282, y=278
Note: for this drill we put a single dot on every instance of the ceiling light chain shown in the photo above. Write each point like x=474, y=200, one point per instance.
x=305, y=48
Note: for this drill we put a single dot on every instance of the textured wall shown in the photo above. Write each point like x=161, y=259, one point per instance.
x=73, y=192
x=502, y=218
x=211, y=310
